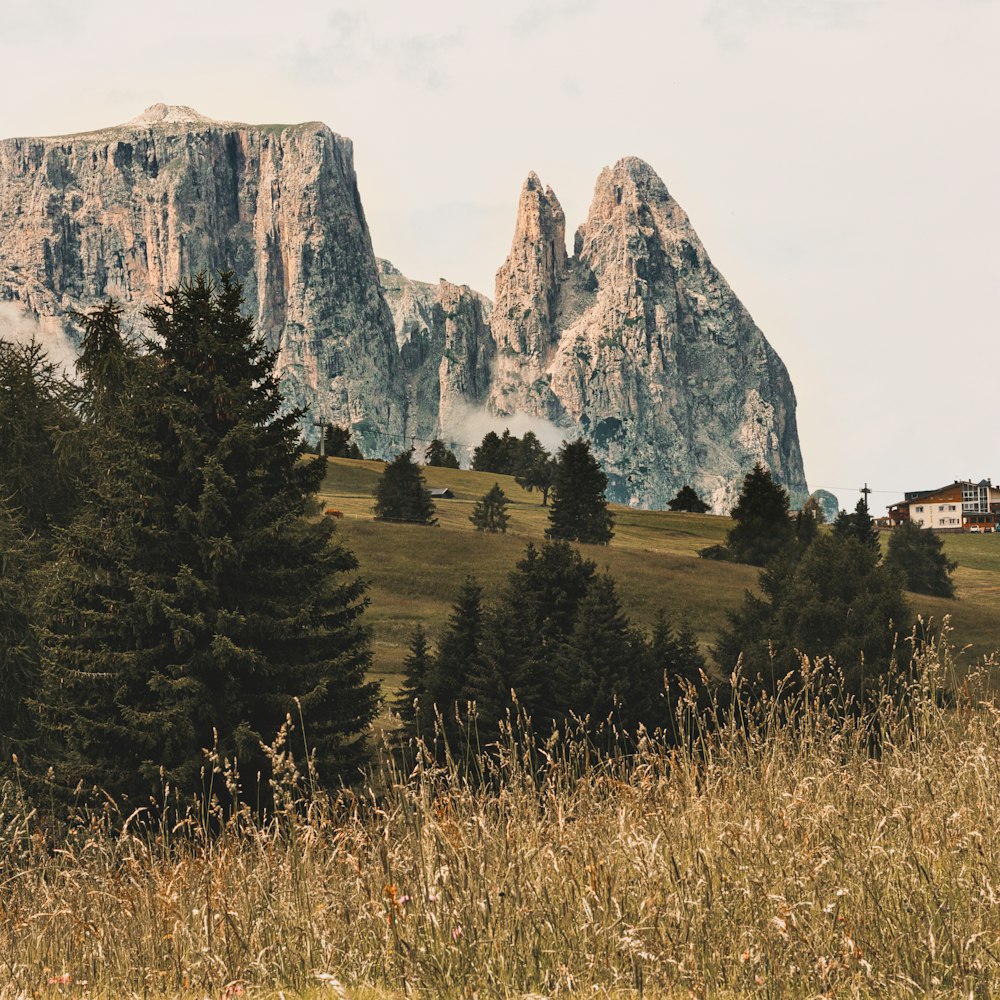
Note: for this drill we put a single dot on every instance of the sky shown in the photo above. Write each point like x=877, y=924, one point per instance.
x=839, y=159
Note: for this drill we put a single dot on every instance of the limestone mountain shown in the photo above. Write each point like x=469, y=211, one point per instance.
x=132, y=210
x=638, y=343
x=447, y=351
x=635, y=341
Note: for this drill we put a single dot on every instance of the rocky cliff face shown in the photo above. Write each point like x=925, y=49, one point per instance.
x=638, y=343
x=130, y=211
x=635, y=341
x=447, y=351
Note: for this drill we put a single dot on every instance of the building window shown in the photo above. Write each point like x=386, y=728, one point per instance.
x=920, y=510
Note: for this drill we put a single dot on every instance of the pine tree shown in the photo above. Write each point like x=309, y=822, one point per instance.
x=488, y=456
x=197, y=602
x=490, y=511
x=413, y=702
x=439, y=455
x=459, y=651
x=917, y=554
x=579, y=508
x=401, y=494
x=762, y=525
x=37, y=421
x=20, y=556
x=859, y=525
x=688, y=500
x=594, y=664
x=837, y=603
x=339, y=444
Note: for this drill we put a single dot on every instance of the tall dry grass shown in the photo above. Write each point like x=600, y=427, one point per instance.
x=770, y=861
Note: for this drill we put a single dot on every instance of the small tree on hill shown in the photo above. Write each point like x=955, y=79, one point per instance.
x=540, y=475
x=917, y=554
x=401, y=494
x=413, y=702
x=579, y=508
x=438, y=455
x=859, y=525
x=762, y=525
x=490, y=512
x=688, y=500
x=339, y=443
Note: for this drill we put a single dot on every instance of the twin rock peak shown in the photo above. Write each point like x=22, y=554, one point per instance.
x=634, y=341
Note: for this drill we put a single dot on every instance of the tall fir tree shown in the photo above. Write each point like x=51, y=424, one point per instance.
x=762, y=526
x=490, y=511
x=579, y=508
x=859, y=525
x=687, y=499
x=208, y=605
x=401, y=494
x=439, y=455
x=413, y=702
x=459, y=651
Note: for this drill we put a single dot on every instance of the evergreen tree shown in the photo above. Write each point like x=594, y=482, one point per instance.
x=488, y=456
x=37, y=421
x=688, y=500
x=837, y=602
x=594, y=664
x=917, y=554
x=762, y=525
x=197, y=601
x=674, y=669
x=20, y=555
x=579, y=508
x=339, y=444
x=438, y=455
x=529, y=452
x=859, y=525
x=490, y=511
x=413, y=703
x=459, y=651
x=401, y=494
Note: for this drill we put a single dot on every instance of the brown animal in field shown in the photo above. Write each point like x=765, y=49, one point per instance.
x=332, y=512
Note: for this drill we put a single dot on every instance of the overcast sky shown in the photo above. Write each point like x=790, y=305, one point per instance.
x=840, y=160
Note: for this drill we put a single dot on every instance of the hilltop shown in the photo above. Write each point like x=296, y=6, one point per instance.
x=414, y=572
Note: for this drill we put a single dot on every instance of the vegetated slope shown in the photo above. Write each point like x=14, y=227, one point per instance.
x=415, y=572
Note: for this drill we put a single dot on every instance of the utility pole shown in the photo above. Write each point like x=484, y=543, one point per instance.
x=864, y=491
x=321, y=424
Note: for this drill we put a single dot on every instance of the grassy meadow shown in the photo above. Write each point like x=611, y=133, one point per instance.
x=416, y=571
x=774, y=860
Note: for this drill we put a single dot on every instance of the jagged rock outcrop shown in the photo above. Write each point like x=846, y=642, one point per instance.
x=130, y=211
x=638, y=343
x=447, y=351
x=635, y=341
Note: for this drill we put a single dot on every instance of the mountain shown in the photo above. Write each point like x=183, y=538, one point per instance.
x=638, y=343
x=130, y=211
x=635, y=341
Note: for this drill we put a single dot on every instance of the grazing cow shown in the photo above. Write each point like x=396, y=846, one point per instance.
x=332, y=512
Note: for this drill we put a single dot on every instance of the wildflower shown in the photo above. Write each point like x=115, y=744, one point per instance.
x=62, y=980
x=456, y=933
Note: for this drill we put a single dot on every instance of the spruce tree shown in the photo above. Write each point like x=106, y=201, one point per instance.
x=413, y=702
x=198, y=602
x=39, y=466
x=579, y=507
x=688, y=500
x=459, y=651
x=488, y=455
x=917, y=555
x=859, y=525
x=401, y=494
x=339, y=444
x=762, y=525
x=490, y=511
x=439, y=455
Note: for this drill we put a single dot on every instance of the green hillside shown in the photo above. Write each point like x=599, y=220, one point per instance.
x=414, y=571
